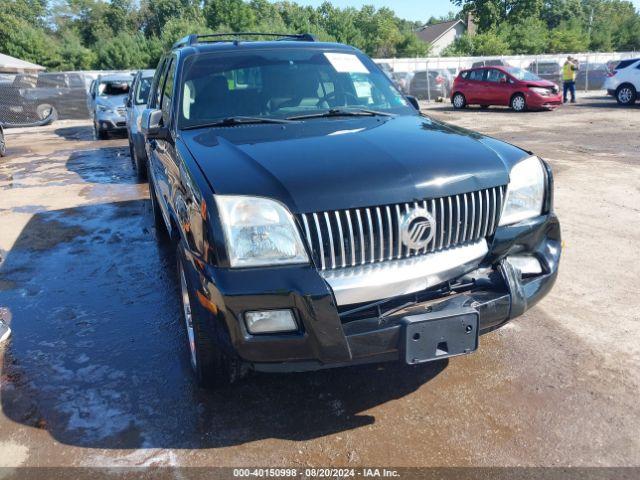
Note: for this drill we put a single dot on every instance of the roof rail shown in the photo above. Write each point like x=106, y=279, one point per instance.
x=213, y=37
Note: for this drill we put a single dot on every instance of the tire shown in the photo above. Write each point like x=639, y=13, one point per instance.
x=459, y=101
x=626, y=94
x=46, y=110
x=99, y=133
x=162, y=234
x=3, y=145
x=138, y=164
x=212, y=367
x=518, y=103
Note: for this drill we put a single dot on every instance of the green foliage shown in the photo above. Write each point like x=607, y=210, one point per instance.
x=489, y=42
x=114, y=34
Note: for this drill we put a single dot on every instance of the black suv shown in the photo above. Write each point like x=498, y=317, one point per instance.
x=320, y=220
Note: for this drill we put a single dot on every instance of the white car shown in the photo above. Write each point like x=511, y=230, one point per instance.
x=624, y=84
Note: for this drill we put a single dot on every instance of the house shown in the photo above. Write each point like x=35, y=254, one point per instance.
x=441, y=35
x=10, y=64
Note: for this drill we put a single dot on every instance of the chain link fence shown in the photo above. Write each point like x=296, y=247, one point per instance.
x=432, y=78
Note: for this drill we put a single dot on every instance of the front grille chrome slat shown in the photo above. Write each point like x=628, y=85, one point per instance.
x=347, y=238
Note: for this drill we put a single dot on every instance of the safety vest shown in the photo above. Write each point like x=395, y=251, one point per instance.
x=569, y=72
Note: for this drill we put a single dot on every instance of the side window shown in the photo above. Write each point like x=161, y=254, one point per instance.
x=496, y=76
x=465, y=75
x=476, y=75
x=158, y=82
x=167, y=94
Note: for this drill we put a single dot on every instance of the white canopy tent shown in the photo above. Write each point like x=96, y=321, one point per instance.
x=10, y=64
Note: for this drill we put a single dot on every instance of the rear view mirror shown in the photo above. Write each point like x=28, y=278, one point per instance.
x=151, y=125
x=413, y=101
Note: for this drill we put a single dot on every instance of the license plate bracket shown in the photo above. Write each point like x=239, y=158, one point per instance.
x=437, y=335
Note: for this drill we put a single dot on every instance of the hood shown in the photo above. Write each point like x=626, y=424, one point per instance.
x=338, y=163
x=112, y=100
x=541, y=83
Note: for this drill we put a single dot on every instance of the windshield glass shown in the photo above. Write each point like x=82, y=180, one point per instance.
x=113, y=88
x=521, y=74
x=282, y=83
x=142, y=90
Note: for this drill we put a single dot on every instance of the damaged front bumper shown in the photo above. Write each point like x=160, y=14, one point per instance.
x=330, y=335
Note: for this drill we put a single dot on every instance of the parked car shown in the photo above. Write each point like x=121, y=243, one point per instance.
x=549, y=70
x=431, y=84
x=591, y=76
x=402, y=80
x=108, y=96
x=506, y=86
x=30, y=98
x=136, y=103
x=624, y=82
x=319, y=220
x=495, y=62
x=3, y=143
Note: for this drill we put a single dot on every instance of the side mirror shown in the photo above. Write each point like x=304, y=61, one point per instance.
x=413, y=101
x=503, y=80
x=128, y=103
x=151, y=125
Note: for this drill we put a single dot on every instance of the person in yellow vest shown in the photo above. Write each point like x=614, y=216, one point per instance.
x=569, y=71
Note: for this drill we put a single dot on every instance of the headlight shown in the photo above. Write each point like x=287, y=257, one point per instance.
x=525, y=193
x=259, y=231
x=545, y=92
x=104, y=108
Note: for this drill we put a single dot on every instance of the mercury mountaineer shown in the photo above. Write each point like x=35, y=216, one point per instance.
x=320, y=220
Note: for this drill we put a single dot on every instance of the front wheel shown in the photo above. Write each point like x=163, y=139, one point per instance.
x=518, y=103
x=138, y=163
x=211, y=366
x=459, y=101
x=626, y=95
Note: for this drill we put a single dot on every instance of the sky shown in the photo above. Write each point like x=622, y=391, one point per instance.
x=414, y=10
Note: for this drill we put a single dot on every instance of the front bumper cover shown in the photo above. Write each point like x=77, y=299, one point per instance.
x=324, y=340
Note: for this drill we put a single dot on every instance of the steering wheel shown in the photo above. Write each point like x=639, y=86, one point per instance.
x=334, y=96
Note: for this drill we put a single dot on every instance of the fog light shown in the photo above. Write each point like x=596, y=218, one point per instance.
x=270, y=321
x=527, y=264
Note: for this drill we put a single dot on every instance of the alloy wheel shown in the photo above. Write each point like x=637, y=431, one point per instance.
x=518, y=103
x=458, y=101
x=625, y=95
x=188, y=318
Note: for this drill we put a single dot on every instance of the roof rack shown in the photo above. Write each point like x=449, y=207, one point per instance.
x=220, y=37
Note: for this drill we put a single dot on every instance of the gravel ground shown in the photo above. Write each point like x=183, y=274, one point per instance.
x=96, y=372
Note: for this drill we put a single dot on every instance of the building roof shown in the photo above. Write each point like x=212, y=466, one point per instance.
x=10, y=64
x=431, y=33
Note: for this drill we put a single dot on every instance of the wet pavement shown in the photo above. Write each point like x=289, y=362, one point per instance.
x=97, y=373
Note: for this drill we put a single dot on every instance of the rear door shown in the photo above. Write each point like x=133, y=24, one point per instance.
x=475, y=86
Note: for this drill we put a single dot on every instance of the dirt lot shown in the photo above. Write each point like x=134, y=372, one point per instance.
x=96, y=372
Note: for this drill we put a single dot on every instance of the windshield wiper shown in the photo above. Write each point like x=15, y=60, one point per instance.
x=342, y=112
x=231, y=121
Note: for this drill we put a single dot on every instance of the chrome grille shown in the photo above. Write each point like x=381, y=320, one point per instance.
x=357, y=236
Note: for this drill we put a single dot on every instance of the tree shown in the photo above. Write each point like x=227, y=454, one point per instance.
x=566, y=38
x=22, y=40
x=124, y=51
x=235, y=14
x=527, y=36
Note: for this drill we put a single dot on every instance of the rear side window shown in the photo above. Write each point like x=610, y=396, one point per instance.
x=476, y=75
x=625, y=64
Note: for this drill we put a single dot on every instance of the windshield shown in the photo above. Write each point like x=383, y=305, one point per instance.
x=282, y=83
x=113, y=88
x=521, y=74
x=142, y=90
